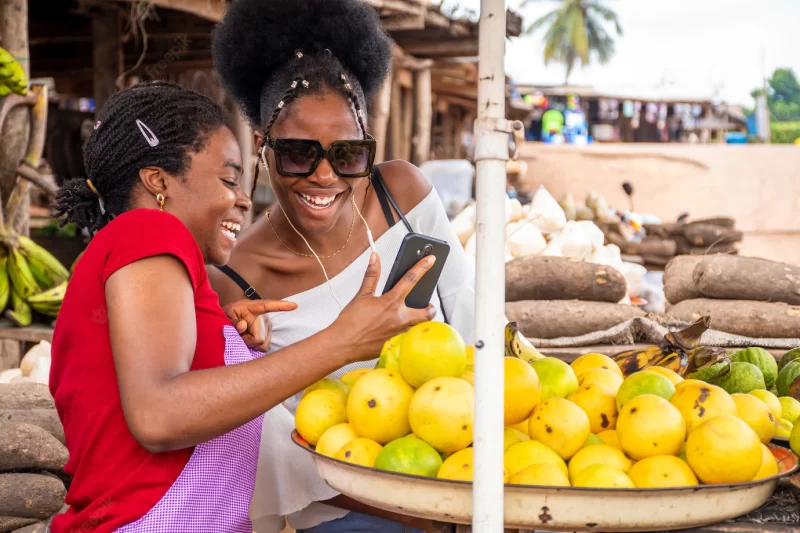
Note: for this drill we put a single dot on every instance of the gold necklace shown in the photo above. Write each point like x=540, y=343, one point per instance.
x=352, y=225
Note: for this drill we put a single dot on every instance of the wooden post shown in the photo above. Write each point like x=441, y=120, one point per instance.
x=423, y=116
x=408, y=122
x=15, y=131
x=447, y=133
x=380, y=119
x=396, y=122
x=106, y=53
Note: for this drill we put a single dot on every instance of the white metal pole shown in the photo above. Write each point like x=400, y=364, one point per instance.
x=491, y=155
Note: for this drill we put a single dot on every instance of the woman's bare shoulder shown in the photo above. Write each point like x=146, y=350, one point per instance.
x=406, y=182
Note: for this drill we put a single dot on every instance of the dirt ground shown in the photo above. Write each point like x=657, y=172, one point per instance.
x=758, y=185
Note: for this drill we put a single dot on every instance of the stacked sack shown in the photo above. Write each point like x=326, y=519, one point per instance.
x=745, y=296
x=32, y=458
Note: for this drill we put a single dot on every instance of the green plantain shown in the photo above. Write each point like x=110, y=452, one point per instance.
x=51, y=296
x=47, y=270
x=5, y=284
x=22, y=279
x=19, y=313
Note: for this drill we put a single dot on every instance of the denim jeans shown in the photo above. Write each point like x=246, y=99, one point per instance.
x=360, y=523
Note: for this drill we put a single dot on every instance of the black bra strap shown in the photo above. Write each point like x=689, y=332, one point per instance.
x=249, y=291
x=387, y=200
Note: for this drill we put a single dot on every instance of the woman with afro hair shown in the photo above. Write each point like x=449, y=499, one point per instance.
x=303, y=72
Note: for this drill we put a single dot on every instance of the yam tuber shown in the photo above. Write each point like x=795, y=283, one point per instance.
x=38, y=527
x=567, y=318
x=25, y=396
x=24, y=446
x=743, y=317
x=46, y=419
x=747, y=278
x=558, y=278
x=31, y=495
x=13, y=523
x=678, y=281
x=708, y=235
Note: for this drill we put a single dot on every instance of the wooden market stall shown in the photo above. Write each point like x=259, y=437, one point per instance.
x=642, y=115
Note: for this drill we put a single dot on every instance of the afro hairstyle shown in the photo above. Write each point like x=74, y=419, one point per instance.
x=255, y=44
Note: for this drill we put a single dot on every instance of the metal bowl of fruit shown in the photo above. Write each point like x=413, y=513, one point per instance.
x=554, y=508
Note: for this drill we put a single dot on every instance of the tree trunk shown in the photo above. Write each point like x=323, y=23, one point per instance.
x=423, y=117
x=15, y=130
x=447, y=133
x=380, y=119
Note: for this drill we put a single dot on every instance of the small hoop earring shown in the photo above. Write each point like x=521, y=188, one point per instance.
x=160, y=199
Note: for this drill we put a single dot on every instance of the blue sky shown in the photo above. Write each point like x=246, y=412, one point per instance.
x=688, y=47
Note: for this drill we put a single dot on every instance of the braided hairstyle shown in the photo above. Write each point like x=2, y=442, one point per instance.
x=181, y=120
x=269, y=53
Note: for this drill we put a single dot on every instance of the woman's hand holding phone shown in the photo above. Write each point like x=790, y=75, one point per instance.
x=368, y=321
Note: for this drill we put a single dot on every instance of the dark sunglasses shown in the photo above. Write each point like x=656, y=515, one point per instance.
x=300, y=157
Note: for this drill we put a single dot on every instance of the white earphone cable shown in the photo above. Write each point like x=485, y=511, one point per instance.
x=324, y=272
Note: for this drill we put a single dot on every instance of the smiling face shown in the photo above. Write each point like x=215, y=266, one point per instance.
x=209, y=199
x=315, y=204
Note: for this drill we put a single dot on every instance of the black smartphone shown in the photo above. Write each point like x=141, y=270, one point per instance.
x=413, y=248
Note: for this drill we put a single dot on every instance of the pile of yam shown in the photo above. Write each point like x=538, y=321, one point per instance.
x=665, y=241
x=32, y=458
x=551, y=297
x=743, y=295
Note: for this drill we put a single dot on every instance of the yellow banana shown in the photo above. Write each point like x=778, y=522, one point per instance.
x=19, y=313
x=518, y=346
x=47, y=270
x=632, y=361
x=19, y=272
x=5, y=287
x=678, y=362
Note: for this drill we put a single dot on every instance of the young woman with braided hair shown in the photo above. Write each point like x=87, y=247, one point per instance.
x=303, y=72
x=161, y=398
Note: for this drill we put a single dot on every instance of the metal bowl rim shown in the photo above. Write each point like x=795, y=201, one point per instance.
x=299, y=441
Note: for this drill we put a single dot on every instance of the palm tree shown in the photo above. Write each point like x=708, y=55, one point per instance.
x=576, y=30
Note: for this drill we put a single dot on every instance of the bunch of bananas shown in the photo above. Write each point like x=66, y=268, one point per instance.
x=12, y=75
x=31, y=279
x=679, y=351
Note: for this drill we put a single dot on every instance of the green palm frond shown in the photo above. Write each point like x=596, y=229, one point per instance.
x=575, y=31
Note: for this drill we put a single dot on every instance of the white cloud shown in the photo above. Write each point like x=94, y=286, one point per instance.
x=694, y=46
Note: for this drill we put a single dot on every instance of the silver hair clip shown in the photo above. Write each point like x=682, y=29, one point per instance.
x=102, y=206
x=305, y=84
x=97, y=124
x=294, y=84
x=299, y=54
x=148, y=134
